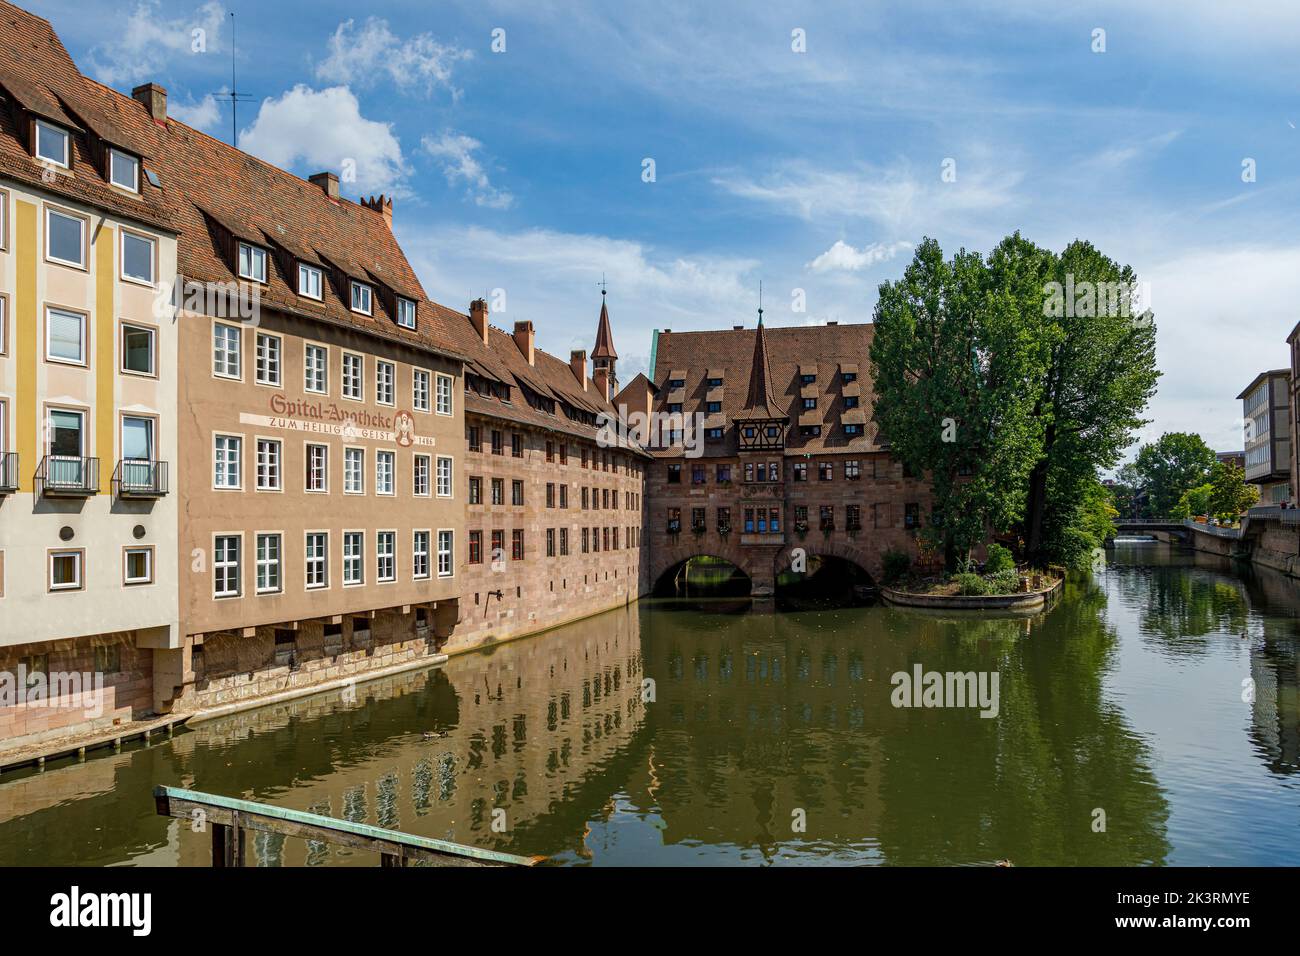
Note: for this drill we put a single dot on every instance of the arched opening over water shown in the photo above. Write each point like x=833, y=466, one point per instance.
x=827, y=581
x=703, y=575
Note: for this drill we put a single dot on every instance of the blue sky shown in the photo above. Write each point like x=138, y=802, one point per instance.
x=522, y=170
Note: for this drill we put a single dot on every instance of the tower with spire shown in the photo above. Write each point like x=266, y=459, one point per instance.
x=761, y=424
x=603, y=357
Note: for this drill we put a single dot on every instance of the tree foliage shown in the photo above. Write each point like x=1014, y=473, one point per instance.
x=1171, y=465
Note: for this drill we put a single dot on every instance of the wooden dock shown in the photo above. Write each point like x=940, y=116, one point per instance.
x=228, y=820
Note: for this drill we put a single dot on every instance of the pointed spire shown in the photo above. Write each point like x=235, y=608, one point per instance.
x=761, y=403
x=604, y=336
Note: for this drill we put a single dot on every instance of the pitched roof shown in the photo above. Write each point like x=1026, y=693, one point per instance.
x=604, y=336
x=730, y=355
x=760, y=403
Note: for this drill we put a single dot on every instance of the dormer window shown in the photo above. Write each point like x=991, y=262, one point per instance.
x=715, y=383
x=252, y=262
x=676, y=383
x=52, y=144
x=124, y=170
x=807, y=379
x=309, y=281
x=848, y=377
x=406, y=313
x=361, y=299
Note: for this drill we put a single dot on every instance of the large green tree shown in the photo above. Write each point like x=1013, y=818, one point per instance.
x=1229, y=493
x=1171, y=465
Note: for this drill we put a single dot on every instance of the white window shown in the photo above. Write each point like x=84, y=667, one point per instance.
x=225, y=458
x=309, y=281
x=354, y=463
x=138, y=350
x=124, y=170
x=317, y=560
x=225, y=566
x=444, y=394
x=386, y=556
x=384, y=468
x=65, y=336
x=420, y=390
x=353, y=375
x=405, y=313
x=354, y=543
x=225, y=350
x=385, y=383
x=421, y=472
x=137, y=566
x=268, y=563
x=361, y=298
x=137, y=257
x=420, y=555
x=268, y=359
x=268, y=465
x=52, y=144
x=65, y=570
x=252, y=262
x=315, y=365
x=444, y=476
x=65, y=238
x=444, y=554
x=317, y=478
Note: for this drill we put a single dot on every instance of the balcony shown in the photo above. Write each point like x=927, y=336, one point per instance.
x=8, y=472
x=67, y=476
x=139, y=478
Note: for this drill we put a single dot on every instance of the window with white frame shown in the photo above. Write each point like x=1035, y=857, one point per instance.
x=124, y=170
x=385, y=465
x=386, y=556
x=225, y=566
x=420, y=471
x=137, y=566
x=137, y=257
x=420, y=390
x=444, y=394
x=139, y=353
x=317, y=477
x=252, y=262
x=353, y=375
x=315, y=369
x=52, y=143
x=317, y=552
x=66, y=570
x=65, y=336
x=405, y=313
x=361, y=298
x=385, y=383
x=268, y=359
x=268, y=464
x=65, y=238
x=309, y=281
x=354, y=543
x=444, y=554
x=444, y=476
x=268, y=563
x=225, y=459
x=225, y=350
x=354, y=464
x=420, y=555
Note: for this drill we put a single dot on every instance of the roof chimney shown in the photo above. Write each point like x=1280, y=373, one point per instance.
x=524, y=337
x=602, y=379
x=478, y=317
x=154, y=97
x=578, y=362
x=381, y=204
x=328, y=182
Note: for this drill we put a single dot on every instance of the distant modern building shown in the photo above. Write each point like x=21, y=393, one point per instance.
x=1237, y=458
x=1293, y=345
x=1266, y=409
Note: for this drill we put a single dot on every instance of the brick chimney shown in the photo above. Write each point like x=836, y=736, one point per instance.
x=381, y=204
x=602, y=379
x=327, y=182
x=578, y=362
x=154, y=97
x=478, y=317
x=524, y=338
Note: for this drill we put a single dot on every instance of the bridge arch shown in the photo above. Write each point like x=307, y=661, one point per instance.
x=711, y=572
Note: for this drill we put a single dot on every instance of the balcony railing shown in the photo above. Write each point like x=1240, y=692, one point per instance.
x=8, y=472
x=139, y=478
x=67, y=476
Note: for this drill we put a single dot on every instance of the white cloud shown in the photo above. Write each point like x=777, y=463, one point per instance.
x=203, y=115
x=455, y=153
x=843, y=257
x=147, y=41
x=358, y=57
x=324, y=130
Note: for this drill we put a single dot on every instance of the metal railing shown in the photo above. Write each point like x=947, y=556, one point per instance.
x=1275, y=513
x=140, y=478
x=8, y=472
x=68, y=476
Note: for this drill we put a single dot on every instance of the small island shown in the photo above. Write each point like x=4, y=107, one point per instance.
x=997, y=585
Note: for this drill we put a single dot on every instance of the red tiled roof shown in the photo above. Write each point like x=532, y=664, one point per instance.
x=604, y=337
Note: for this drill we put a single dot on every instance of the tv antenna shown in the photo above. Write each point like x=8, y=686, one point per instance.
x=234, y=95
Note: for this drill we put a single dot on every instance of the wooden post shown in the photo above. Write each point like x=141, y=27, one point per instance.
x=220, y=845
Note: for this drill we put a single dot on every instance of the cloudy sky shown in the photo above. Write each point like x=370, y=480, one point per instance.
x=518, y=139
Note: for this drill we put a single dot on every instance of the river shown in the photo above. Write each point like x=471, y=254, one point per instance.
x=1151, y=717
